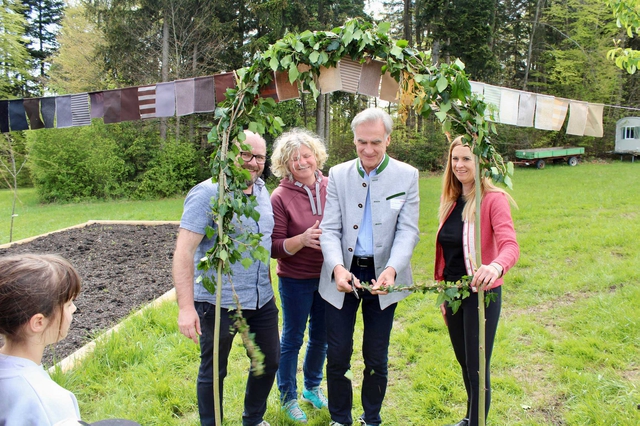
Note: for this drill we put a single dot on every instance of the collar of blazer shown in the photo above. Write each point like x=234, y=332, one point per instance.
x=383, y=165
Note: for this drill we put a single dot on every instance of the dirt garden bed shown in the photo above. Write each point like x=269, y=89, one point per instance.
x=123, y=267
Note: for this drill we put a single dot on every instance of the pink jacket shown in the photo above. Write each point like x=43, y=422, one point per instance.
x=498, y=237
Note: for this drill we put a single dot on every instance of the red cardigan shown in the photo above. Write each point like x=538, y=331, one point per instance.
x=498, y=236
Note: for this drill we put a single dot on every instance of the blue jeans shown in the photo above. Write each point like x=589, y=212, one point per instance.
x=463, y=331
x=375, y=350
x=263, y=323
x=300, y=301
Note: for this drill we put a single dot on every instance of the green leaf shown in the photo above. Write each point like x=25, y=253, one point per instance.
x=246, y=262
x=384, y=27
x=442, y=84
x=402, y=43
x=335, y=44
x=293, y=73
x=314, y=56
x=349, y=375
x=274, y=63
x=507, y=182
x=397, y=52
x=442, y=115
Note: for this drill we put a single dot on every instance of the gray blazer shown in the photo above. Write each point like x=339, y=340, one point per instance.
x=395, y=206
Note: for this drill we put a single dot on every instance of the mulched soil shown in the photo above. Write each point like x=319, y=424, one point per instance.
x=123, y=267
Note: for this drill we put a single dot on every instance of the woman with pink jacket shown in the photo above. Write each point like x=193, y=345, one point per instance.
x=455, y=258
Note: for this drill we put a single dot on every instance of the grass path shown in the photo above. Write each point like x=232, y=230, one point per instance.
x=567, y=349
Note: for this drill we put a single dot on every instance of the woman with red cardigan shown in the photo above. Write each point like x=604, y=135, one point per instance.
x=455, y=258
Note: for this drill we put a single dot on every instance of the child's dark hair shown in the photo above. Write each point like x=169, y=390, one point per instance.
x=33, y=284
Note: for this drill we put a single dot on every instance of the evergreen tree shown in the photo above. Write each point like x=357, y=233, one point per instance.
x=13, y=54
x=43, y=22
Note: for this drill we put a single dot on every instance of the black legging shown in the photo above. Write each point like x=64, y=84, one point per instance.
x=463, y=331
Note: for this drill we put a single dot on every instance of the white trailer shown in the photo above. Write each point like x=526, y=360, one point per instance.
x=628, y=137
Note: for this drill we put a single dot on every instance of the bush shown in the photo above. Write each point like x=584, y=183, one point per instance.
x=174, y=170
x=110, y=161
x=75, y=163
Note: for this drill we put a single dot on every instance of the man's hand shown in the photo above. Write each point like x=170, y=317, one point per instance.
x=387, y=278
x=343, y=279
x=189, y=323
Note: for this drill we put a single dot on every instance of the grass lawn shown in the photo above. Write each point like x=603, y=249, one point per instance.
x=568, y=345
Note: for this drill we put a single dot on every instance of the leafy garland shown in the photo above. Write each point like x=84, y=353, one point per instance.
x=443, y=90
x=450, y=292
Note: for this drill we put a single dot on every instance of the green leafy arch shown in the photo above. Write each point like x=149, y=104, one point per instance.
x=442, y=90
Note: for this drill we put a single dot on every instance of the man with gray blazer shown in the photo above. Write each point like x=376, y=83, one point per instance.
x=369, y=231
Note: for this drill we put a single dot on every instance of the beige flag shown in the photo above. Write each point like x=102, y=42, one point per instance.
x=389, y=88
x=509, y=106
x=544, y=112
x=594, y=120
x=577, y=118
x=329, y=79
x=559, y=113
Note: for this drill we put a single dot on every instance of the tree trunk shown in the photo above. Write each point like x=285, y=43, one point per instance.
x=530, y=50
x=327, y=117
x=320, y=106
x=406, y=21
x=165, y=67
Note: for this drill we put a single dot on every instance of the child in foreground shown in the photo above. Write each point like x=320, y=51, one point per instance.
x=36, y=309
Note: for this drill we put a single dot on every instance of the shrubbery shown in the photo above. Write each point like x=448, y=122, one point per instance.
x=109, y=161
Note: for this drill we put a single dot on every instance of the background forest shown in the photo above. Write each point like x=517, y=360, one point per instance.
x=554, y=47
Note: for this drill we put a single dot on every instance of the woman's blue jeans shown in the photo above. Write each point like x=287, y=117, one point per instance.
x=300, y=301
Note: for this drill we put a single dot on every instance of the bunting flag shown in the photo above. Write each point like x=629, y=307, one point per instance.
x=477, y=88
x=329, y=79
x=526, y=109
x=147, y=101
x=202, y=94
x=205, y=94
x=559, y=113
x=222, y=82
x=129, y=107
x=17, y=117
x=185, y=96
x=370, y=76
x=509, y=100
x=64, y=118
x=389, y=88
x=594, y=120
x=285, y=89
x=165, y=99
x=492, y=96
x=577, y=118
x=32, y=107
x=48, y=111
x=544, y=112
x=350, y=74
x=4, y=116
x=112, y=106
x=97, y=104
x=80, y=115
x=269, y=91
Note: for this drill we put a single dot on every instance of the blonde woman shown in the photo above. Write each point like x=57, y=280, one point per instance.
x=298, y=206
x=455, y=256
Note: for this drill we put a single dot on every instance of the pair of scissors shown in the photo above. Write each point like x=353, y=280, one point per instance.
x=354, y=289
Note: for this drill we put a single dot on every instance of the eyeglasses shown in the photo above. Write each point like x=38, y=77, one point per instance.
x=247, y=157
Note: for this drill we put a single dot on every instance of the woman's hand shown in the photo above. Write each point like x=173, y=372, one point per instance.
x=485, y=276
x=311, y=237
